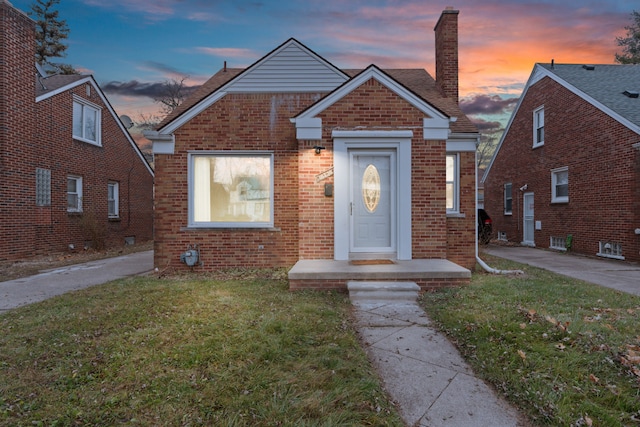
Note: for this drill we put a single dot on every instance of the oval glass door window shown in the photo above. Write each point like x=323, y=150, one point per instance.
x=371, y=188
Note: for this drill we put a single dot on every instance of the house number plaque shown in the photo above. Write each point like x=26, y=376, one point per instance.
x=371, y=188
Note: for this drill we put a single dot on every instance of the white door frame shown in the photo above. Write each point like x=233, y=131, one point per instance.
x=343, y=141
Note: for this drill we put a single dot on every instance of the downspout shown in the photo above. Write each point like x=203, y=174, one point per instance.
x=483, y=264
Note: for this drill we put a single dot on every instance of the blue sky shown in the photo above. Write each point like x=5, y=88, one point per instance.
x=130, y=44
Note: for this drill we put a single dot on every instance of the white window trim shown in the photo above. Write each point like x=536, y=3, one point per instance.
x=86, y=104
x=116, y=199
x=78, y=180
x=504, y=198
x=554, y=174
x=191, y=223
x=456, y=184
x=536, y=125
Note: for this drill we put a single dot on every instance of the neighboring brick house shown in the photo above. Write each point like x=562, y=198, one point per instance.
x=572, y=146
x=344, y=164
x=70, y=174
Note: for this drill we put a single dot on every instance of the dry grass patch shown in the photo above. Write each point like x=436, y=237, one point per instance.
x=240, y=350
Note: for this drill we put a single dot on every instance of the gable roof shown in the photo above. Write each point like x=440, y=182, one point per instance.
x=292, y=67
x=56, y=84
x=289, y=68
x=385, y=79
x=602, y=86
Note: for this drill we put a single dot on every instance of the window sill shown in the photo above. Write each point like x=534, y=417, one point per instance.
x=114, y=219
x=87, y=141
x=533, y=147
x=455, y=215
x=620, y=257
x=559, y=201
x=508, y=213
x=200, y=228
x=74, y=213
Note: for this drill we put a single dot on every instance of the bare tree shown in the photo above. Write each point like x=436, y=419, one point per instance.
x=631, y=43
x=487, y=146
x=173, y=94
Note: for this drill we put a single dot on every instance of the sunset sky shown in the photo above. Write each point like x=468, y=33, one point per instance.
x=131, y=45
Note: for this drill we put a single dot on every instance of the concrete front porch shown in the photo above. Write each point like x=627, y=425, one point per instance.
x=320, y=274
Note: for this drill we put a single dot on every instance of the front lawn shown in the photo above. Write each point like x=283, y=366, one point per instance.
x=238, y=350
x=565, y=351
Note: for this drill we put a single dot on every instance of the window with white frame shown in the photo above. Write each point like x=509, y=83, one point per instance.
x=452, y=188
x=113, y=199
x=87, y=119
x=74, y=193
x=508, y=199
x=43, y=187
x=560, y=185
x=538, y=127
x=231, y=189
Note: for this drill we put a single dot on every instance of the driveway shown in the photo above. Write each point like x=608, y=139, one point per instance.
x=27, y=290
x=620, y=275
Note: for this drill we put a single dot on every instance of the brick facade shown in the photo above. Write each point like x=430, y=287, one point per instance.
x=604, y=174
x=245, y=115
x=39, y=135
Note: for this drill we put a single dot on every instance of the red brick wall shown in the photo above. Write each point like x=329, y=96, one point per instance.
x=40, y=136
x=236, y=122
x=603, y=173
x=303, y=214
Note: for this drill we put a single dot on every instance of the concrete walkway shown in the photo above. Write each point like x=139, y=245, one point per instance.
x=423, y=372
x=620, y=275
x=27, y=290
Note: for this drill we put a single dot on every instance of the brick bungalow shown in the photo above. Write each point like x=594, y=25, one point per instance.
x=566, y=173
x=294, y=159
x=70, y=174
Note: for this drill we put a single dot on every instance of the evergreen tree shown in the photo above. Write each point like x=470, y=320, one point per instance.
x=631, y=43
x=50, y=32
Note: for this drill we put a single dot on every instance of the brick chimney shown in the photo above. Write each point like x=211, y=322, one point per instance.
x=447, y=52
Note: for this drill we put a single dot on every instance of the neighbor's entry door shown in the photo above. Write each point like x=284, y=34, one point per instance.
x=528, y=222
x=372, y=201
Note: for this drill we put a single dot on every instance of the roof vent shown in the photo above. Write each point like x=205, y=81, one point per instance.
x=631, y=93
x=589, y=67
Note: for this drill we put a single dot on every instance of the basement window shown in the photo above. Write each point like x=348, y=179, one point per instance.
x=558, y=243
x=610, y=249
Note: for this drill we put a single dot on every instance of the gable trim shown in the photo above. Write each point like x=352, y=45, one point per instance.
x=235, y=85
x=372, y=72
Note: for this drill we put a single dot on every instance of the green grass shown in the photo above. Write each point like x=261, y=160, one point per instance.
x=565, y=351
x=238, y=350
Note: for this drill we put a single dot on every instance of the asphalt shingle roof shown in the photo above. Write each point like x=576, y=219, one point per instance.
x=417, y=80
x=606, y=83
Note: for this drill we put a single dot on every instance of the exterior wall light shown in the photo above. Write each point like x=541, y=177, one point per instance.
x=318, y=148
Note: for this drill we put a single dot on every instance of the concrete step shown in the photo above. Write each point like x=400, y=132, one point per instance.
x=361, y=291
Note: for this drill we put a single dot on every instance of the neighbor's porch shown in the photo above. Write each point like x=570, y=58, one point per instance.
x=321, y=274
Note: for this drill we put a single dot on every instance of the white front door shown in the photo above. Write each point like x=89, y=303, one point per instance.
x=373, y=201
x=528, y=222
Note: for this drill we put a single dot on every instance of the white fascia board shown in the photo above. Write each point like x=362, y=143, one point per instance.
x=373, y=72
x=435, y=128
x=161, y=143
x=90, y=80
x=62, y=89
x=309, y=128
x=193, y=111
x=463, y=142
x=543, y=72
